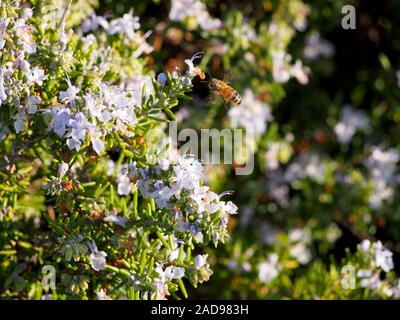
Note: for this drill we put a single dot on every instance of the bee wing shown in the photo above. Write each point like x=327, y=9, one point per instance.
x=215, y=96
x=227, y=76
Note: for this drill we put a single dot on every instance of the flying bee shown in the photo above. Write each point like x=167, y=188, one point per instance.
x=225, y=91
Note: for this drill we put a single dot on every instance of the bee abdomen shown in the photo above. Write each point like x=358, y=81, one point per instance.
x=235, y=97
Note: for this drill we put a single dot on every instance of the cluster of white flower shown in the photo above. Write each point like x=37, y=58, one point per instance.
x=279, y=177
x=252, y=114
x=280, y=34
x=269, y=269
x=382, y=170
x=278, y=152
x=299, y=12
x=282, y=70
x=109, y=110
x=381, y=259
x=299, y=250
x=195, y=9
x=18, y=76
x=72, y=71
x=316, y=47
x=299, y=240
x=128, y=25
x=244, y=35
x=175, y=183
x=161, y=283
x=277, y=187
x=351, y=121
x=307, y=166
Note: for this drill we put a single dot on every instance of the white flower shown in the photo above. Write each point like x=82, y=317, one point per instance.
x=69, y=95
x=112, y=217
x=383, y=257
x=25, y=37
x=188, y=172
x=3, y=28
x=282, y=70
x=93, y=23
x=19, y=122
x=369, y=279
x=124, y=176
x=269, y=270
x=382, y=170
x=299, y=234
x=175, y=251
x=200, y=261
x=89, y=39
x=229, y=207
x=136, y=85
x=277, y=188
x=300, y=250
x=27, y=14
x=127, y=24
x=96, y=110
x=244, y=34
x=78, y=126
x=272, y=156
x=36, y=76
x=301, y=253
x=365, y=245
x=74, y=144
x=351, y=122
x=161, y=289
x=300, y=72
x=33, y=101
x=306, y=166
x=62, y=169
x=316, y=47
x=176, y=272
x=164, y=164
x=98, y=145
x=60, y=121
x=182, y=9
x=170, y=273
x=195, y=231
x=3, y=95
x=97, y=258
x=193, y=71
x=280, y=66
x=165, y=276
x=207, y=201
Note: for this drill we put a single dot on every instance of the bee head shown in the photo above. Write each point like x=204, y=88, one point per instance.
x=213, y=84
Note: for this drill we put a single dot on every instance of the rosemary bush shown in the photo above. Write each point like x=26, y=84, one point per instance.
x=79, y=191
x=90, y=187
